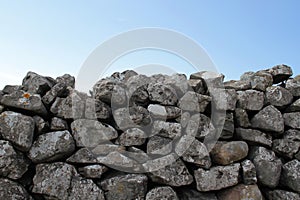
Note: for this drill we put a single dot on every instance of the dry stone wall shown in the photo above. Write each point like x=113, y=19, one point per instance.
x=153, y=138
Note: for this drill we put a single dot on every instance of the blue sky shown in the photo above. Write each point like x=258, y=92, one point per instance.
x=56, y=37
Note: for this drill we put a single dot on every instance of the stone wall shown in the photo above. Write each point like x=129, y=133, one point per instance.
x=158, y=137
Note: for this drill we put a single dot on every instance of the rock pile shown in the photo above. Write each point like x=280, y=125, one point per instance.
x=157, y=137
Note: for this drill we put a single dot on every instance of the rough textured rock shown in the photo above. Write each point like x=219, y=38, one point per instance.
x=166, y=129
x=294, y=107
x=163, y=94
x=58, y=124
x=191, y=194
x=254, y=136
x=280, y=73
x=259, y=80
x=93, y=171
x=292, y=119
x=52, y=147
x=241, y=192
x=41, y=126
x=58, y=90
x=223, y=99
x=12, y=164
x=164, y=112
x=159, y=145
x=162, y=193
x=131, y=137
x=95, y=109
x=125, y=187
x=194, y=102
x=269, y=119
x=290, y=176
x=25, y=101
x=278, y=96
x=211, y=79
x=228, y=127
x=237, y=85
x=225, y=153
x=197, y=85
x=248, y=172
x=37, y=84
x=293, y=85
x=241, y=118
x=13, y=190
x=250, y=100
x=83, y=156
x=67, y=80
x=90, y=133
x=217, y=178
x=286, y=148
x=18, y=129
x=282, y=194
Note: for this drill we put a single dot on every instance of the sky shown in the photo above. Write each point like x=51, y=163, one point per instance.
x=56, y=37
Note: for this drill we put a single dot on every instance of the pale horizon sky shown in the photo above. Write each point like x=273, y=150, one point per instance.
x=56, y=37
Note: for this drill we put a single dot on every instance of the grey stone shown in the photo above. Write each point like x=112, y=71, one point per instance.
x=250, y=100
x=223, y=99
x=105, y=149
x=285, y=147
x=246, y=76
x=293, y=85
x=211, y=79
x=8, y=89
x=241, y=192
x=179, y=82
x=268, y=119
x=17, y=128
x=164, y=112
x=292, y=134
x=53, y=180
x=1, y=108
x=278, y=96
x=241, y=118
x=197, y=85
x=95, y=109
x=12, y=190
x=280, y=73
x=261, y=80
x=197, y=154
x=138, y=155
x=297, y=156
x=90, y=133
x=13, y=164
x=41, y=126
x=58, y=124
x=225, y=153
x=37, y=84
x=294, y=107
x=292, y=119
x=159, y=145
x=83, y=156
x=194, y=102
x=125, y=187
x=93, y=171
x=282, y=194
x=82, y=188
x=123, y=76
x=58, y=90
x=52, y=146
x=261, y=153
x=175, y=174
x=248, y=172
x=166, y=129
x=25, y=101
x=67, y=80
x=228, y=127
x=237, y=85
x=217, y=178
x=203, y=125
x=131, y=137
x=290, y=176
x=254, y=136
x=191, y=194
x=137, y=89
x=162, y=193
x=162, y=94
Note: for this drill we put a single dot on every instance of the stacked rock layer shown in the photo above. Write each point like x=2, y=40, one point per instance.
x=152, y=137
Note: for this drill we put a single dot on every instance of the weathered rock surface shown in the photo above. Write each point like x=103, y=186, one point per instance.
x=241, y=118
x=294, y=107
x=292, y=119
x=282, y=194
x=286, y=148
x=192, y=194
x=93, y=171
x=194, y=102
x=162, y=94
x=250, y=100
x=290, y=176
x=248, y=172
x=131, y=137
x=13, y=190
x=162, y=193
x=37, y=84
x=241, y=192
x=293, y=85
x=254, y=136
x=278, y=96
x=280, y=73
x=58, y=124
x=166, y=129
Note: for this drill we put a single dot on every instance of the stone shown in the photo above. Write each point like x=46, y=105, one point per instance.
x=95, y=109
x=159, y=145
x=246, y=76
x=290, y=176
x=197, y=154
x=261, y=80
x=58, y=90
x=137, y=89
x=125, y=187
x=294, y=107
x=293, y=86
x=93, y=171
x=237, y=85
x=223, y=99
x=261, y=153
x=241, y=118
x=162, y=94
x=175, y=174
x=105, y=149
x=37, y=84
x=179, y=82
x=194, y=102
x=228, y=127
x=90, y=133
x=191, y=194
x=138, y=155
x=203, y=125
x=297, y=156
x=197, y=85
x=251, y=100
x=67, y=80
x=166, y=129
x=269, y=119
x=280, y=73
x=124, y=76
x=41, y=126
x=278, y=96
x=52, y=146
x=12, y=190
x=8, y=89
x=225, y=153
x=18, y=129
x=164, y=112
x=13, y=164
x=162, y=193
x=241, y=192
x=248, y=172
x=1, y=108
x=211, y=79
x=58, y=124
x=26, y=102
x=83, y=156
x=254, y=136
x=292, y=134
x=285, y=147
x=282, y=194
x=131, y=137
x=217, y=178
x=292, y=119
x=82, y=188
x=53, y=180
